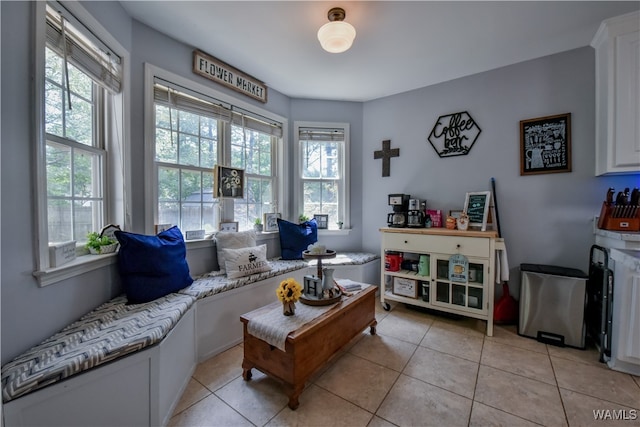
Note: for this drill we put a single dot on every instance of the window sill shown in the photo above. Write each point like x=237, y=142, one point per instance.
x=85, y=263
x=80, y=265
x=208, y=242
x=342, y=232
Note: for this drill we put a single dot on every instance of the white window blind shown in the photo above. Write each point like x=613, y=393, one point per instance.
x=69, y=39
x=177, y=97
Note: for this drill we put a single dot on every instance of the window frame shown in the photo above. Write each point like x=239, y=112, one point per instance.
x=226, y=205
x=345, y=183
x=115, y=127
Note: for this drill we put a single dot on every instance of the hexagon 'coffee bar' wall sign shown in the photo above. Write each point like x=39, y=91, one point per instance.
x=454, y=134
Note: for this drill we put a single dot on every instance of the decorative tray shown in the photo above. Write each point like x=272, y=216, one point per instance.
x=328, y=254
x=311, y=300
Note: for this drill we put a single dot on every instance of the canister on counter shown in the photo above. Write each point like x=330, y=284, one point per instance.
x=423, y=265
x=392, y=260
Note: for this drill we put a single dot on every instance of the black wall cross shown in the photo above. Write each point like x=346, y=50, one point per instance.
x=386, y=154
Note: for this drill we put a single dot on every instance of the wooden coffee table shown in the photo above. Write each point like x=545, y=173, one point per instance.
x=309, y=347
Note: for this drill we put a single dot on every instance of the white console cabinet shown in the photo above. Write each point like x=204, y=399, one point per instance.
x=435, y=290
x=617, y=46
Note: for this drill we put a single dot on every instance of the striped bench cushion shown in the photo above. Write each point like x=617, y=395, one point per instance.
x=112, y=330
x=348, y=258
x=216, y=282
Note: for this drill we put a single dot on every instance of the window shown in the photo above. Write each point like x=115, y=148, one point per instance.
x=186, y=150
x=74, y=153
x=322, y=151
x=254, y=151
x=80, y=102
x=193, y=133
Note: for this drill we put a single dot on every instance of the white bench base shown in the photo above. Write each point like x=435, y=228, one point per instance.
x=218, y=316
x=141, y=389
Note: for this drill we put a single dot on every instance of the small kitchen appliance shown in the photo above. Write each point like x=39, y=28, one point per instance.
x=415, y=216
x=400, y=205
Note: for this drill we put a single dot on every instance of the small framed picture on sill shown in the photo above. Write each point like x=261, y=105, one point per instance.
x=322, y=220
x=271, y=221
x=228, y=226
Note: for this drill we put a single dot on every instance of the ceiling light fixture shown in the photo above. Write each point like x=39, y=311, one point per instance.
x=336, y=36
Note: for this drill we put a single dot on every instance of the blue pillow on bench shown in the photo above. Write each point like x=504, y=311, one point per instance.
x=294, y=238
x=152, y=266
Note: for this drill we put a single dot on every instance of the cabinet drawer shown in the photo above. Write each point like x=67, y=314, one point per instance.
x=468, y=246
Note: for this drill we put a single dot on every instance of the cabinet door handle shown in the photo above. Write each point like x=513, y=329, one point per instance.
x=406, y=242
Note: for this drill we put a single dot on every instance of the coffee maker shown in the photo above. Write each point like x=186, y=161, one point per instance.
x=415, y=216
x=400, y=204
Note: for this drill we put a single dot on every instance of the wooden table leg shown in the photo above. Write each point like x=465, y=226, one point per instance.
x=246, y=370
x=372, y=327
x=294, y=392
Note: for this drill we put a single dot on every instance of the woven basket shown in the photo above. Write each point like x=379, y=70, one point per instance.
x=107, y=249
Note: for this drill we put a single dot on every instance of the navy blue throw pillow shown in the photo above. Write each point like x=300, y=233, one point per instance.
x=294, y=238
x=152, y=266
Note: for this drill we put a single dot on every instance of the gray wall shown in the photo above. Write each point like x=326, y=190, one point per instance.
x=545, y=219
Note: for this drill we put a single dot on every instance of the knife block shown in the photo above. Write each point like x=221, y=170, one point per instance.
x=617, y=218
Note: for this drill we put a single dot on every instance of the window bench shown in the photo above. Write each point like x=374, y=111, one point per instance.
x=135, y=361
x=129, y=364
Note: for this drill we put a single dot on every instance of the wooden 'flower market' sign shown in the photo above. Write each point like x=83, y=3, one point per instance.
x=213, y=69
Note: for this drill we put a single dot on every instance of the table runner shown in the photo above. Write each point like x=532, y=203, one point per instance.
x=273, y=326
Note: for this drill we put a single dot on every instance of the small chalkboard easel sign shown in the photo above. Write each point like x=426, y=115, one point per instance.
x=477, y=205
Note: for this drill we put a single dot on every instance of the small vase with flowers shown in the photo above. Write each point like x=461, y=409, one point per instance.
x=288, y=293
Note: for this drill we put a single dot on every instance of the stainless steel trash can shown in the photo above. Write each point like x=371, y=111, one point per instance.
x=552, y=304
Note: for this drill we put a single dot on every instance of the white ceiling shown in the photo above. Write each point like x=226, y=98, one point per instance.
x=399, y=46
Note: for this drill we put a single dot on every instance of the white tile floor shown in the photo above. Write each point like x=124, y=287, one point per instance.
x=420, y=370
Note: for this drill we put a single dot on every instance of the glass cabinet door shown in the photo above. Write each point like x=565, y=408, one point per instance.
x=468, y=295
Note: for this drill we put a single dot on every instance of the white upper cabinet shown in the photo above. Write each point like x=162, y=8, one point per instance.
x=617, y=45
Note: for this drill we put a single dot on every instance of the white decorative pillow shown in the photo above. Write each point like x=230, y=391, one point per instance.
x=246, y=261
x=233, y=240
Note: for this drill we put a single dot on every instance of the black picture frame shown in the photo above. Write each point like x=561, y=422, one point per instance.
x=545, y=145
x=322, y=220
x=229, y=182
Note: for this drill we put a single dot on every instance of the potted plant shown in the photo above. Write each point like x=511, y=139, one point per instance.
x=257, y=225
x=99, y=245
x=340, y=223
x=303, y=218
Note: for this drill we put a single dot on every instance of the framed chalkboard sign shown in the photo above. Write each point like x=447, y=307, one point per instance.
x=545, y=145
x=476, y=205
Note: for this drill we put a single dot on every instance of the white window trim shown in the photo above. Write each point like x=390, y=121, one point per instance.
x=151, y=71
x=44, y=274
x=297, y=188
